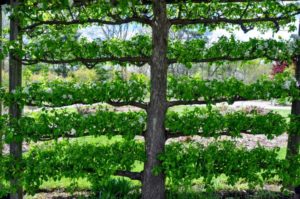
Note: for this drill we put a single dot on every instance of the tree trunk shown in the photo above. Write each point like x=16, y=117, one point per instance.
x=294, y=134
x=15, y=79
x=154, y=185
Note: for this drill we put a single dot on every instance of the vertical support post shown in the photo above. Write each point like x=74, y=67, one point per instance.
x=1, y=68
x=15, y=111
x=294, y=134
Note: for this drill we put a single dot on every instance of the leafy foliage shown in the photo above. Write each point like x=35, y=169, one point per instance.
x=191, y=161
x=214, y=124
x=197, y=161
x=136, y=89
x=58, y=93
x=137, y=50
x=230, y=90
x=53, y=124
x=73, y=160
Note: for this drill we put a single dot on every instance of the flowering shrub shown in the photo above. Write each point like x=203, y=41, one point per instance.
x=279, y=67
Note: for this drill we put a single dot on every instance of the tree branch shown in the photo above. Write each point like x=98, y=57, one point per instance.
x=130, y=174
x=141, y=20
x=88, y=61
x=136, y=104
x=240, y=22
x=201, y=102
x=224, y=58
x=138, y=61
x=141, y=105
x=224, y=133
x=48, y=138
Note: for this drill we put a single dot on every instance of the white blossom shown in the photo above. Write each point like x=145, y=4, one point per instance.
x=114, y=10
x=70, y=2
x=141, y=120
x=73, y=131
x=77, y=86
x=266, y=45
x=26, y=90
x=49, y=90
x=287, y=84
x=52, y=125
x=40, y=5
x=260, y=47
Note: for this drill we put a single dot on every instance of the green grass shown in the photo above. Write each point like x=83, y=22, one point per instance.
x=103, y=140
x=65, y=183
x=282, y=153
x=284, y=113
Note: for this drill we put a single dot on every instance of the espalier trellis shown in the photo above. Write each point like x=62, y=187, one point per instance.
x=50, y=29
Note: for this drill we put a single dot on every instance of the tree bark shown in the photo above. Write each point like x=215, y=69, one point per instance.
x=15, y=79
x=294, y=134
x=154, y=185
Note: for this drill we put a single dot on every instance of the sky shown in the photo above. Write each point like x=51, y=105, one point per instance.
x=94, y=32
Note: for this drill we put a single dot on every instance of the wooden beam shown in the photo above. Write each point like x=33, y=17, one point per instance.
x=15, y=111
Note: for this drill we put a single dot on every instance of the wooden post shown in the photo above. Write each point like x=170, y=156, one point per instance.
x=15, y=81
x=1, y=68
x=294, y=136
